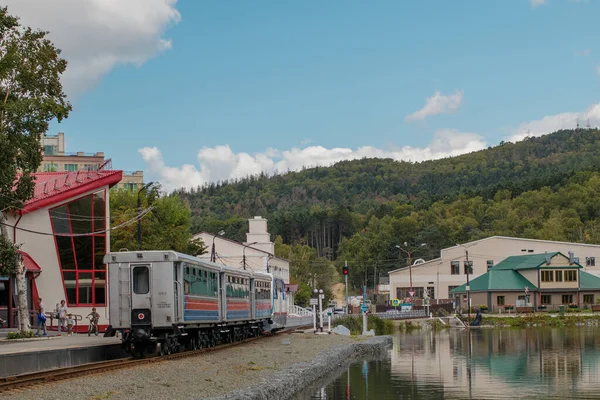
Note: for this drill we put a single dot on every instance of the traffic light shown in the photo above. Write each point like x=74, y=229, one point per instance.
x=345, y=270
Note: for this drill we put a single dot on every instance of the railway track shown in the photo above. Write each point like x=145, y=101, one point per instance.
x=34, y=379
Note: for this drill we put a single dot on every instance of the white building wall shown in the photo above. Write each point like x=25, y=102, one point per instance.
x=42, y=249
x=231, y=253
x=436, y=273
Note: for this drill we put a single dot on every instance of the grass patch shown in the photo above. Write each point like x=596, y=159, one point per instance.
x=437, y=325
x=354, y=324
x=409, y=326
x=541, y=320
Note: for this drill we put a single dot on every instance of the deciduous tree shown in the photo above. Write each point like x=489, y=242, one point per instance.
x=31, y=95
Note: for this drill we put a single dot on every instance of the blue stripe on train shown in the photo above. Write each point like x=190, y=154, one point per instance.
x=200, y=315
x=238, y=314
x=263, y=313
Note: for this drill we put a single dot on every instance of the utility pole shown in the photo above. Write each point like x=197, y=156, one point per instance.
x=244, y=253
x=468, y=268
x=139, y=222
x=346, y=278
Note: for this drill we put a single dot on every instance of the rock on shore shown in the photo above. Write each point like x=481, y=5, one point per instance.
x=285, y=384
x=270, y=368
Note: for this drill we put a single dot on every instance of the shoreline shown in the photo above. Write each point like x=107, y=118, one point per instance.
x=298, y=377
x=268, y=368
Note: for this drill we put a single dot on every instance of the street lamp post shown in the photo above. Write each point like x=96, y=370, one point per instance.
x=213, y=253
x=244, y=252
x=467, y=270
x=139, y=222
x=409, y=253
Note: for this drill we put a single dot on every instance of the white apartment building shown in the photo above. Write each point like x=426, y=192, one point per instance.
x=257, y=253
x=440, y=275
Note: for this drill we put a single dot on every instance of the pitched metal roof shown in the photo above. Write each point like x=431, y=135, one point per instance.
x=503, y=279
x=588, y=281
x=55, y=187
x=529, y=261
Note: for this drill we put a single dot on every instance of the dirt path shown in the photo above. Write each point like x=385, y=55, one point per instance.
x=339, y=294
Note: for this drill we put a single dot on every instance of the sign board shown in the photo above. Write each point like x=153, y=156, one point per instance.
x=427, y=301
x=468, y=288
x=314, y=302
x=395, y=302
x=406, y=307
x=412, y=294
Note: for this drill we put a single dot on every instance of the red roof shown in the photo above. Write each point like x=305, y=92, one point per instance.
x=56, y=187
x=30, y=264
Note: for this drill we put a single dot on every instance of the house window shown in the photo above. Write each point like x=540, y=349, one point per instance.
x=50, y=167
x=469, y=267
x=70, y=167
x=546, y=299
x=431, y=291
x=590, y=261
x=81, y=257
x=130, y=186
x=490, y=264
x=558, y=276
x=500, y=300
x=588, y=299
x=451, y=288
x=455, y=267
x=547, y=276
x=402, y=292
x=571, y=276
x=567, y=298
x=50, y=150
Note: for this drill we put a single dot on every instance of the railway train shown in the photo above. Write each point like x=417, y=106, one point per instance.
x=165, y=301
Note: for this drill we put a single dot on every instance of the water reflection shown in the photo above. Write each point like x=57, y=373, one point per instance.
x=480, y=364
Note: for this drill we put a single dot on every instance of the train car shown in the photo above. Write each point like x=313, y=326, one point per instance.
x=168, y=300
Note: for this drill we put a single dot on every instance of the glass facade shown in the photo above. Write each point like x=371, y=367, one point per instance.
x=80, y=257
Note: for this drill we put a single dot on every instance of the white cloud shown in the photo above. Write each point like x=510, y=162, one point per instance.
x=536, y=3
x=220, y=162
x=437, y=104
x=553, y=123
x=583, y=52
x=97, y=35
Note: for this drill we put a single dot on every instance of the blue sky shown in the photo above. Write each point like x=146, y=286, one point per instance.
x=267, y=77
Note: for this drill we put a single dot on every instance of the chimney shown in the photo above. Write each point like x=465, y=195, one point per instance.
x=571, y=258
x=547, y=258
x=257, y=232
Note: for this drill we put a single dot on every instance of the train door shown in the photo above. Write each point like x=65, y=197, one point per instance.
x=224, y=298
x=141, y=297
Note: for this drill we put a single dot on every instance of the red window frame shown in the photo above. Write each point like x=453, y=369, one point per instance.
x=78, y=271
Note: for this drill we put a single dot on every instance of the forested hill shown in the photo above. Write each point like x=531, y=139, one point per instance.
x=324, y=205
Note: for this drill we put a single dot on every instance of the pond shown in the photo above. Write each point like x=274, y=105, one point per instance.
x=549, y=363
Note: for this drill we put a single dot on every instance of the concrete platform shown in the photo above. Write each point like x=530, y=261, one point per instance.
x=41, y=354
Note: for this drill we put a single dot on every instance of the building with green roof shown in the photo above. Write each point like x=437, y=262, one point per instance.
x=536, y=280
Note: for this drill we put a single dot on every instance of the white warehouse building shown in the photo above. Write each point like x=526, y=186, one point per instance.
x=439, y=276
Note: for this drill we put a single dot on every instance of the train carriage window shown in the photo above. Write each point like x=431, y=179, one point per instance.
x=141, y=280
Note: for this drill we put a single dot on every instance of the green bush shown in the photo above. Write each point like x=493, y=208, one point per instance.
x=19, y=335
x=379, y=325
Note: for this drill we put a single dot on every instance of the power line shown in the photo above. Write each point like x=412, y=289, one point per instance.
x=136, y=218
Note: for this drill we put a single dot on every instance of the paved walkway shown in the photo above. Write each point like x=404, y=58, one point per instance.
x=54, y=343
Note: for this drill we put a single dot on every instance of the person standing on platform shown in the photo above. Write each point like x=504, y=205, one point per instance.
x=70, y=323
x=62, y=317
x=41, y=319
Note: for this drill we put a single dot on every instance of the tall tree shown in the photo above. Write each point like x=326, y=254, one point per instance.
x=31, y=95
x=167, y=227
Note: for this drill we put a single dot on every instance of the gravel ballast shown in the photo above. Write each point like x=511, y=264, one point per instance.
x=271, y=368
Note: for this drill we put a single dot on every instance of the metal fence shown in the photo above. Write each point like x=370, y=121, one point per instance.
x=402, y=314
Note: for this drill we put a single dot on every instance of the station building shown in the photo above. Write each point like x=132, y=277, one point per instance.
x=538, y=281
x=63, y=261
x=441, y=275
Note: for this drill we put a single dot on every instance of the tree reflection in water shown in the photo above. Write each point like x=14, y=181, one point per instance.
x=480, y=363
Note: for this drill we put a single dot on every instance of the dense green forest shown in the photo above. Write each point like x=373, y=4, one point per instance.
x=546, y=187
